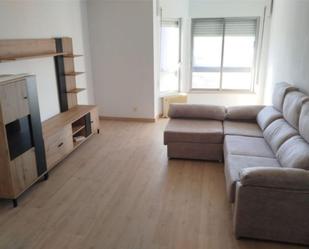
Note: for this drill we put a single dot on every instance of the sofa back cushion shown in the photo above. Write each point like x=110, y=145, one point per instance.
x=304, y=122
x=292, y=106
x=294, y=153
x=267, y=115
x=277, y=133
x=279, y=92
x=243, y=113
x=192, y=111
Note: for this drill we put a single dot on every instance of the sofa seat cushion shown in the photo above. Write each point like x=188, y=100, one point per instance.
x=242, y=128
x=278, y=132
x=234, y=164
x=268, y=115
x=247, y=146
x=194, y=131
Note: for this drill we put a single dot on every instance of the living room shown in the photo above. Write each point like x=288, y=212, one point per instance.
x=154, y=124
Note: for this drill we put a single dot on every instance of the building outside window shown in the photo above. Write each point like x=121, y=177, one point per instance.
x=224, y=53
x=170, y=56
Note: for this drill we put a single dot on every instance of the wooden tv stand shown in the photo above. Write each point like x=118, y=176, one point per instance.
x=36, y=148
x=60, y=131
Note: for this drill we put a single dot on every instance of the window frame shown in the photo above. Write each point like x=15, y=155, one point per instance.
x=255, y=63
x=179, y=21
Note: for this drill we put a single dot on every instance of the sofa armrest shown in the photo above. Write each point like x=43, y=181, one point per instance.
x=272, y=213
x=280, y=178
x=191, y=111
x=243, y=113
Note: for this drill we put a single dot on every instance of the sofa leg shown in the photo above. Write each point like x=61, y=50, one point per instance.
x=46, y=176
x=15, y=203
x=237, y=237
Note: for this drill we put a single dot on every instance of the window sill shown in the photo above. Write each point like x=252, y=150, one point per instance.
x=201, y=91
x=166, y=94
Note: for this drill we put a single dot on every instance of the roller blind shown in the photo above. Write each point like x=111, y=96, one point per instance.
x=240, y=27
x=231, y=27
x=207, y=27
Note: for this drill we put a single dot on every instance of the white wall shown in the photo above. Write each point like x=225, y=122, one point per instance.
x=122, y=49
x=47, y=19
x=289, y=45
x=187, y=9
x=156, y=52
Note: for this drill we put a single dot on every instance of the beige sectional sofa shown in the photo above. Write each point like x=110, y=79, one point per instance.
x=266, y=157
x=195, y=132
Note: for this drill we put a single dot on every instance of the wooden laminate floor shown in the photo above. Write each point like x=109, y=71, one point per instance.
x=119, y=191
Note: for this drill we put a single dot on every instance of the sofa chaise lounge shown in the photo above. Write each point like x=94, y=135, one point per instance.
x=266, y=157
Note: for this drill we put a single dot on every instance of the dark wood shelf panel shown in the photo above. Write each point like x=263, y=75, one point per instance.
x=73, y=73
x=72, y=55
x=76, y=90
x=29, y=56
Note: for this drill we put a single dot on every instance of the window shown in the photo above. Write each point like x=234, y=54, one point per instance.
x=170, y=56
x=223, y=53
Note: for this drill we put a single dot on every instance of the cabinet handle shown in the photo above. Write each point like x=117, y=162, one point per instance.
x=26, y=97
x=60, y=145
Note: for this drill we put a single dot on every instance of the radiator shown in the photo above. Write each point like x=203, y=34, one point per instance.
x=179, y=98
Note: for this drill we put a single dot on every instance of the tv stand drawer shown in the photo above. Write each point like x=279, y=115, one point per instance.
x=58, y=146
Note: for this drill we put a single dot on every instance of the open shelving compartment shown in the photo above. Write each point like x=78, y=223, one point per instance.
x=81, y=129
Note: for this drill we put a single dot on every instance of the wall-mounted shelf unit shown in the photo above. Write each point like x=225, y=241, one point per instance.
x=72, y=55
x=76, y=90
x=73, y=73
x=22, y=49
x=66, y=73
x=28, y=56
x=63, y=133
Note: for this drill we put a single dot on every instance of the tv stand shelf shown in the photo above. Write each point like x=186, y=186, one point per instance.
x=59, y=132
x=77, y=128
